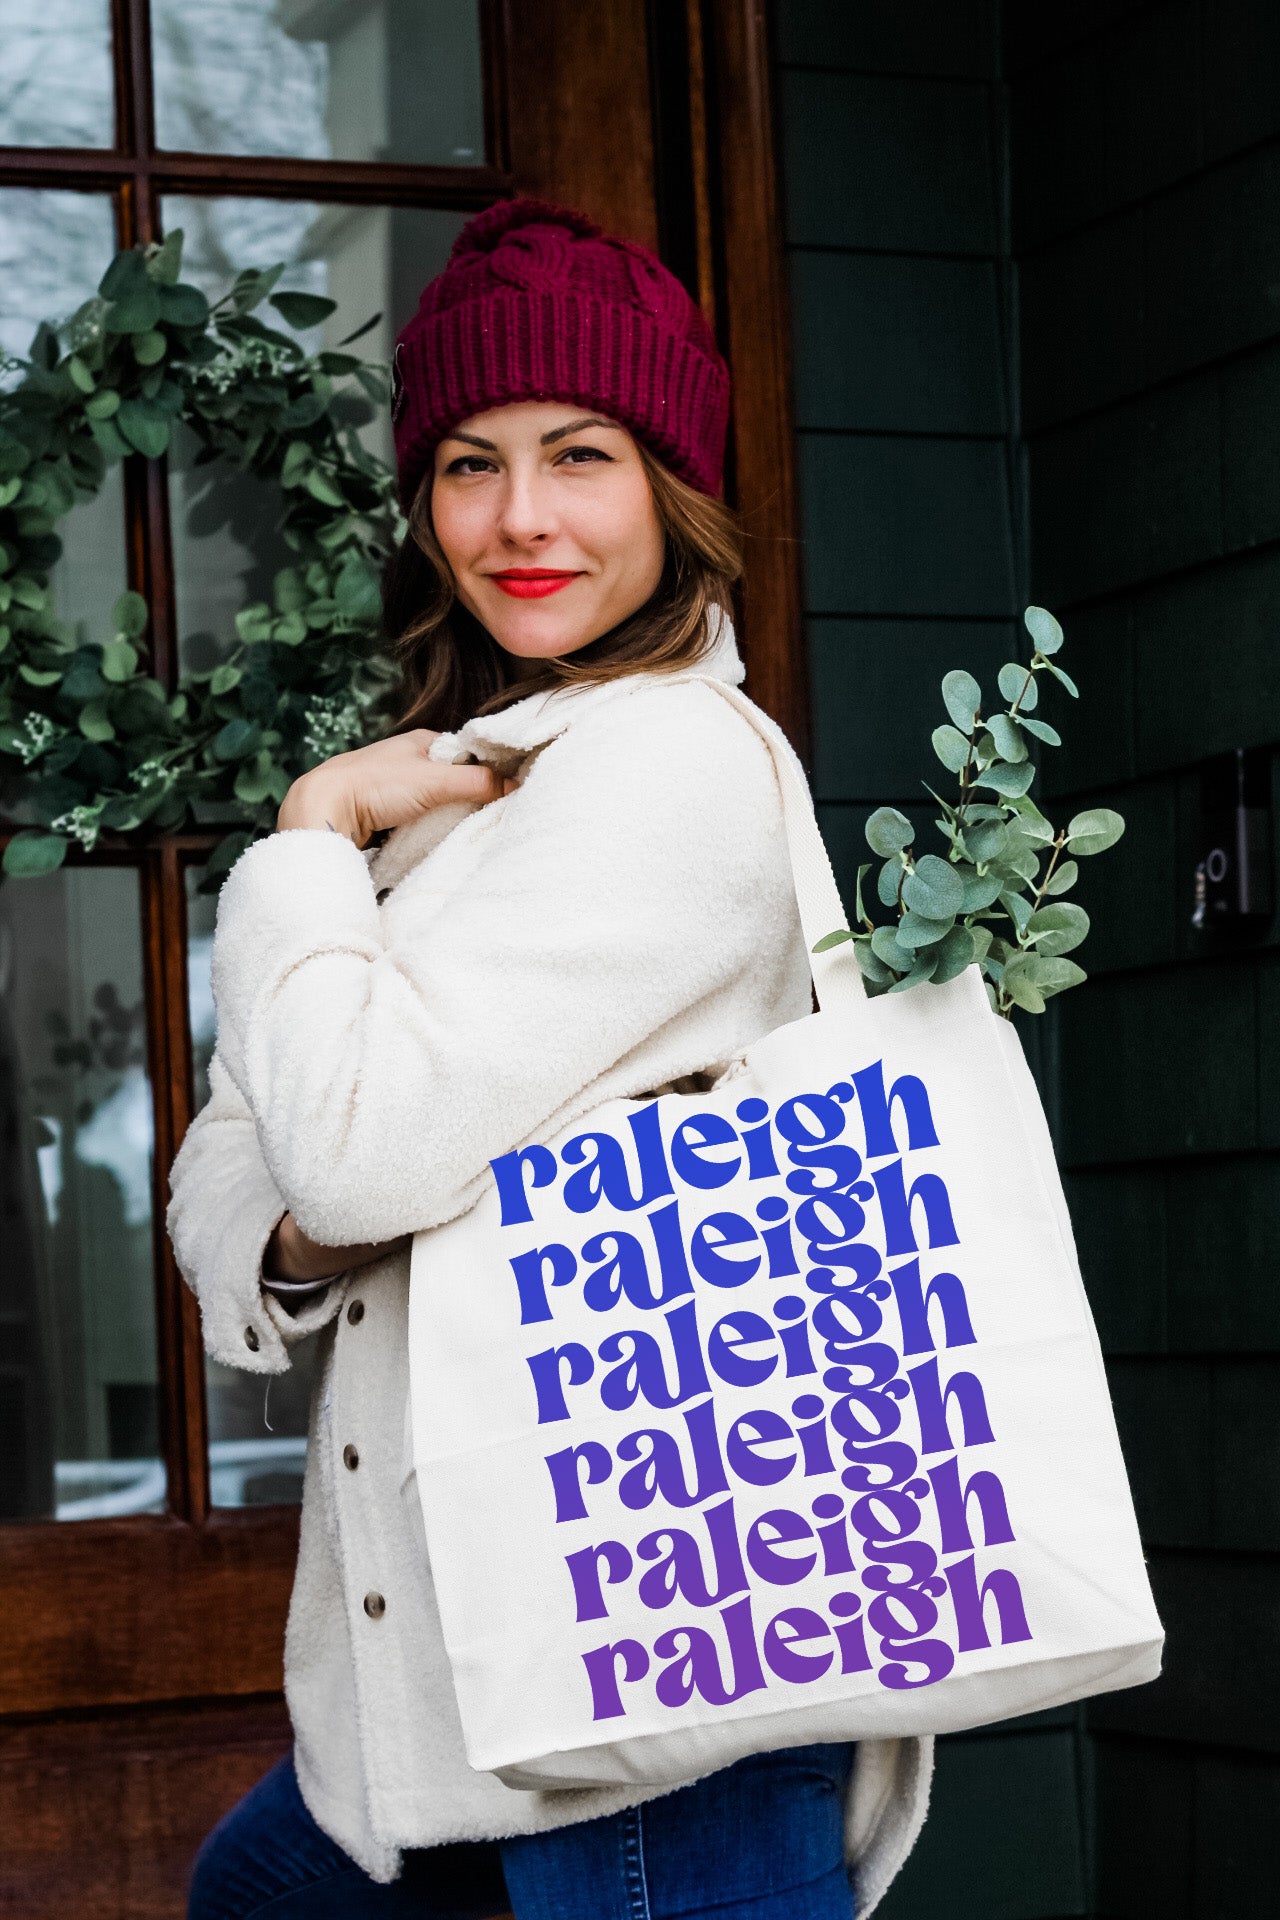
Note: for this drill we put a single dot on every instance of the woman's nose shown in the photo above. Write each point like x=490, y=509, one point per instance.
x=526, y=514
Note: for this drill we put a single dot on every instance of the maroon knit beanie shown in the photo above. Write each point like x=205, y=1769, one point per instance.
x=537, y=303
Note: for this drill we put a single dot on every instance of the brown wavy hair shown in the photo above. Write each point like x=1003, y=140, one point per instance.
x=451, y=665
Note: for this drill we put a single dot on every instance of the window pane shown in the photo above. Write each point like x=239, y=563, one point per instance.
x=324, y=79
x=55, y=73
x=257, y=1432
x=54, y=249
x=79, y=1395
x=226, y=544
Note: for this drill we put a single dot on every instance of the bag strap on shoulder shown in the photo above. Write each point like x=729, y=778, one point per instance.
x=837, y=978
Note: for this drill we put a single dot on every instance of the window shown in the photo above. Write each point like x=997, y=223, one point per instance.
x=268, y=130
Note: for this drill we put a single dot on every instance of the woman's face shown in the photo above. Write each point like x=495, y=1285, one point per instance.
x=544, y=512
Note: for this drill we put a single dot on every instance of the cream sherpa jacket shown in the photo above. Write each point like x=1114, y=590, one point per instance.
x=390, y=1020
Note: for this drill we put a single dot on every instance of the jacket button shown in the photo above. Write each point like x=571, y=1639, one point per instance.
x=374, y=1605
x=251, y=1339
x=355, y=1312
x=350, y=1458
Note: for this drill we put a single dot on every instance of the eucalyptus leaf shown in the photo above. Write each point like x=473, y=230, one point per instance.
x=924, y=969
x=955, y=953
x=118, y=659
x=1030, y=823
x=109, y=439
x=298, y=462
x=32, y=853
x=129, y=615
x=149, y=348
x=1043, y=976
x=135, y=312
x=127, y=274
x=1018, y=909
x=982, y=891
x=1012, y=679
x=1094, y=831
x=303, y=310
x=1019, y=984
x=356, y=590
x=183, y=306
x=236, y=739
x=1043, y=628
x=1011, y=781
x=888, y=831
x=962, y=697
x=366, y=326
x=987, y=841
x=290, y=629
x=1064, y=677
x=321, y=488
x=254, y=780
x=951, y=747
x=145, y=426
x=872, y=968
x=103, y=404
x=1010, y=744
x=915, y=931
x=1058, y=928
x=289, y=592
x=1063, y=878
x=860, y=912
x=1056, y=976
x=254, y=623
x=95, y=722
x=225, y=677
x=981, y=938
x=1021, y=861
x=888, y=880
x=829, y=940
x=1042, y=730
x=164, y=262
x=934, y=889
x=886, y=949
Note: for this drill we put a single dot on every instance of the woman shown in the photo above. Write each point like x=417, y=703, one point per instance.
x=584, y=893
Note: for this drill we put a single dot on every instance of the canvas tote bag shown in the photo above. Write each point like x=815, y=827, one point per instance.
x=775, y=1414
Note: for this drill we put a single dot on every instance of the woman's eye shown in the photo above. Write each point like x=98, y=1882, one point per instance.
x=580, y=456
x=470, y=463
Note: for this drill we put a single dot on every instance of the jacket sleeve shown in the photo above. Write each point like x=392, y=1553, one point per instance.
x=386, y=1061
x=223, y=1205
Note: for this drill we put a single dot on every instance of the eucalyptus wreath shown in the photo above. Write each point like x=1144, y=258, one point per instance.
x=92, y=740
x=996, y=896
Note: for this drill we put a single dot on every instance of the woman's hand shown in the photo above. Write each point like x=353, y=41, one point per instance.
x=385, y=784
x=290, y=1255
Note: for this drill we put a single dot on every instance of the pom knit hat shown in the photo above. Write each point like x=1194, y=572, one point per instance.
x=538, y=303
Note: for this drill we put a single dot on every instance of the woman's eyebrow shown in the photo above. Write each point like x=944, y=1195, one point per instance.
x=576, y=426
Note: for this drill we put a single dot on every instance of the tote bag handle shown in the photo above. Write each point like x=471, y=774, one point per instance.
x=837, y=978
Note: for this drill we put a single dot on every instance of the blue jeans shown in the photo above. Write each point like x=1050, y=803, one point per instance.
x=761, y=1840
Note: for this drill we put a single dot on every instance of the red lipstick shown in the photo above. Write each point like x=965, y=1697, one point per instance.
x=532, y=583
